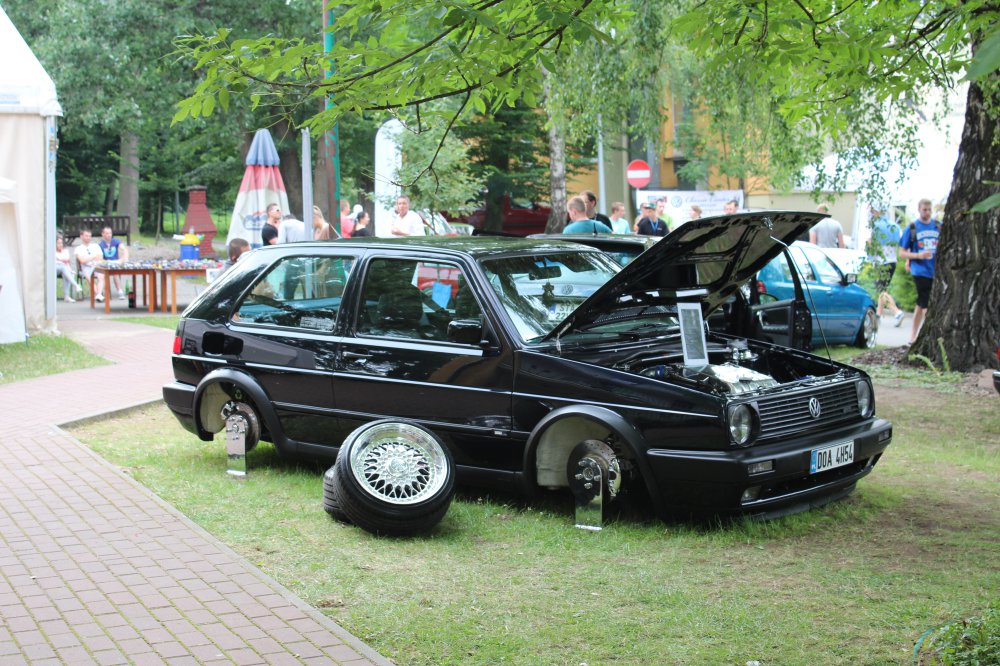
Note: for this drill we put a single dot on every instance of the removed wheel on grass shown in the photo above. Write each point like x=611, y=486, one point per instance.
x=331, y=499
x=394, y=478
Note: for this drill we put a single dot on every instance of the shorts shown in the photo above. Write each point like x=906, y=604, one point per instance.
x=923, y=285
x=883, y=276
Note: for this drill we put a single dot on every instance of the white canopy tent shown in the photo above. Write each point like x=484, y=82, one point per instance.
x=28, y=142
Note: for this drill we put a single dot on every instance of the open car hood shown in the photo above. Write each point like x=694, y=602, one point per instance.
x=702, y=261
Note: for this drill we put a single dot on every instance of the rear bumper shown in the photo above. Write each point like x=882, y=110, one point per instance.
x=180, y=399
x=720, y=481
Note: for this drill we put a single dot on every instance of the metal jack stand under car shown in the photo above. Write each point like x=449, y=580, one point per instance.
x=595, y=478
x=242, y=434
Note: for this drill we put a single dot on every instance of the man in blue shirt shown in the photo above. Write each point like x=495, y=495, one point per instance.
x=580, y=223
x=113, y=250
x=918, y=244
x=883, y=252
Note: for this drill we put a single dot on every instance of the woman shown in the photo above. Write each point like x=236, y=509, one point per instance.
x=361, y=226
x=321, y=228
x=64, y=269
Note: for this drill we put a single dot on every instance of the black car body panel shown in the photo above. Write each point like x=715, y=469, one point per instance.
x=514, y=351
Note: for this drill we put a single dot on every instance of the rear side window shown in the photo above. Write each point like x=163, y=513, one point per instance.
x=405, y=298
x=298, y=292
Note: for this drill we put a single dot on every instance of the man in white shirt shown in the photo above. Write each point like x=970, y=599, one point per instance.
x=292, y=230
x=405, y=222
x=87, y=256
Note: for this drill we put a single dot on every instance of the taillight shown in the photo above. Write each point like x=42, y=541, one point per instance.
x=177, y=344
x=761, y=287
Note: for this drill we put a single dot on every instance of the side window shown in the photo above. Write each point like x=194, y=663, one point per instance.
x=802, y=265
x=405, y=298
x=825, y=268
x=298, y=292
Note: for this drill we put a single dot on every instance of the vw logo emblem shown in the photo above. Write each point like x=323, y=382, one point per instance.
x=814, y=408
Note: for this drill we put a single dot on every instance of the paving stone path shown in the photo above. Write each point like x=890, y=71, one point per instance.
x=95, y=569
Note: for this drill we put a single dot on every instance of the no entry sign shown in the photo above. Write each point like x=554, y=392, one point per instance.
x=638, y=173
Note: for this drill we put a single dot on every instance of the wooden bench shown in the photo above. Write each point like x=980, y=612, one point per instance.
x=73, y=224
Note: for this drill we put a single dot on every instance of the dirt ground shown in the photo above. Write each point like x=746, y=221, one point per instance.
x=973, y=383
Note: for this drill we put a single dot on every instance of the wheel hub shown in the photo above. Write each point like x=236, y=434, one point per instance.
x=395, y=470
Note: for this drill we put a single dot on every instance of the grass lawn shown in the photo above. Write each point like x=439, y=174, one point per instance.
x=43, y=355
x=168, y=322
x=856, y=582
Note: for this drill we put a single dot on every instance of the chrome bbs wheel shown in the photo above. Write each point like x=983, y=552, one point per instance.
x=399, y=463
x=394, y=477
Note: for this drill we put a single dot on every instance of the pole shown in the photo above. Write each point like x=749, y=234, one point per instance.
x=601, y=194
x=307, y=183
x=331, y=141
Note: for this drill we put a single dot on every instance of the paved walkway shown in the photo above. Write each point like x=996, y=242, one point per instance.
x=95, y=569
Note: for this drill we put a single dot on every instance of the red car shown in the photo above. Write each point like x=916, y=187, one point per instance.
x=518, y=218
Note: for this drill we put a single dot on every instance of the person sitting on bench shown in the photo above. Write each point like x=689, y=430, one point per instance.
x=87, y=256
x=113, y=250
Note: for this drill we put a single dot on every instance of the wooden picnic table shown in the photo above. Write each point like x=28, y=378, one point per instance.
x=109, y=270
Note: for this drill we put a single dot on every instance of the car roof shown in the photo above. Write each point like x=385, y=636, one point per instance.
x=477, y=247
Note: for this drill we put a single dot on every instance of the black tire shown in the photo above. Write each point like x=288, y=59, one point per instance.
x=394, y=478
x=868, y=333
x=331, y=498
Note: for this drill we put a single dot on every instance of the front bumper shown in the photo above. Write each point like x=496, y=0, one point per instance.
x=719, y=481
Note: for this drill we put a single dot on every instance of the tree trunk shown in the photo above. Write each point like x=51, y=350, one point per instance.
x=128, y=181
x=557, y=180
x=557, y=171
x=291, y=169
x=964, y=308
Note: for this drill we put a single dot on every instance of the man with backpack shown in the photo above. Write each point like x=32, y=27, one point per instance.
x=918, y=244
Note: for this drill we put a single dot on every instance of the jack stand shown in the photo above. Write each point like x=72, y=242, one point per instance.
x=595, y=479
x=236, y=445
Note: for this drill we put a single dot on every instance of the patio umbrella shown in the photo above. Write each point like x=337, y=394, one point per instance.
x=262, y=185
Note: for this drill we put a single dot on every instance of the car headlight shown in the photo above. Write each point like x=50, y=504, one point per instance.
x=740, y=424
x=866, y=404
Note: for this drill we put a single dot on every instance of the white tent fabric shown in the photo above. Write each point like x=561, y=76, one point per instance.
x=28, y=107
x=12, y=328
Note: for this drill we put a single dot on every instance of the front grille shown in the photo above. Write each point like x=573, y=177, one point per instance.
x=786, y=415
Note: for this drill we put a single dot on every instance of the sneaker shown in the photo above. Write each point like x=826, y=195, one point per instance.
x=99, y=298
x=121, y=295
x=69, y=299
x=898, y=319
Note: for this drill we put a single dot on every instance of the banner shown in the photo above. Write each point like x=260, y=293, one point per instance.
x=679, y=202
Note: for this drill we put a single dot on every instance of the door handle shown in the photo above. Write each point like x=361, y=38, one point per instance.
x=356, y=356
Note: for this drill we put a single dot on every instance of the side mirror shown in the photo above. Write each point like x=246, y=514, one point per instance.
x=850, y=278
x=465, y=331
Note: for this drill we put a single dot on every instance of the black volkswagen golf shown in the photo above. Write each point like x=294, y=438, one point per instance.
x=529, y=360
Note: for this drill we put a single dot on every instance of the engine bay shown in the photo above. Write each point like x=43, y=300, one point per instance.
x=736, y=366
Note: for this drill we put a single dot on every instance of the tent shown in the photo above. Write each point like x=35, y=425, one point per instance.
x=28, y=143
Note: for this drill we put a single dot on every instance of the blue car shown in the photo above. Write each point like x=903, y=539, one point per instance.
x=842, y=312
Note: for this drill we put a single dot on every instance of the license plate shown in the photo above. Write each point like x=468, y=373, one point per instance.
x=830, y=457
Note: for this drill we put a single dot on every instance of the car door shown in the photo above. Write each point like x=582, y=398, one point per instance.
x=401, y=357
x=779, y=311
x=282, y=331
x=837, y=308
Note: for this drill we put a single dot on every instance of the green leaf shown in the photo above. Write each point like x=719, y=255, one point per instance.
x=987, y=204
x=987, y=58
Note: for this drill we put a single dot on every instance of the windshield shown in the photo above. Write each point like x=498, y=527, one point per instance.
x=539, y=290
